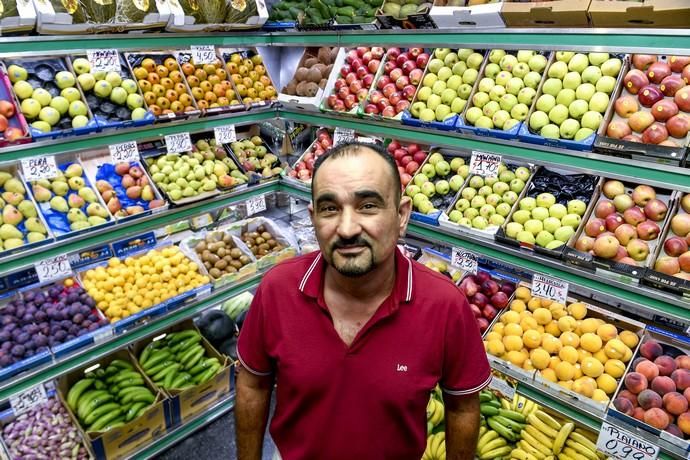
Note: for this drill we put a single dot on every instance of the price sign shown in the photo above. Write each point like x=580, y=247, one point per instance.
x=27, y=400
x=178, y=143
x=503, y=387
x=343, y=135
x=124, y=153
x=549, y=288
x=39, y=168
x=103, y=334
x=624, y=445
x=204, y=54
x=255, y=204
x=225, y=134
x=484, y=164
x=464, y=260
x=53, y=268
x=103, y=60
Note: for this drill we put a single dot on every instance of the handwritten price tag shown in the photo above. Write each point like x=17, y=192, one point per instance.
x=225, y=134
x=53, y=268
x=203, y=54
x=343, y=135
x=464, y=260
x=623, y=445
x=549, y=288
x=484, y=164
x=178, y=143
x=255, y=204
x=503, y=387
x=26, y=400
x=124, y=153
x=103, y=60
x=39, y=168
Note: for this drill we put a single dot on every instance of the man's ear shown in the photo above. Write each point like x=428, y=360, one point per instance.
x=310, y=207
x=404, y=212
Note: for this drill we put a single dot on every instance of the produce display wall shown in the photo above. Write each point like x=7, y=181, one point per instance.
x=252, y=174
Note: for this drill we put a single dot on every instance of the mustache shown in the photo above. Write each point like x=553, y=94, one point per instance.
x=355, y=241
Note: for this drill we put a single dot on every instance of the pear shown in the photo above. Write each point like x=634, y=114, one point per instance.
x=95, y=209
x=8, y=231
x=59, y=204
x=12, y=198
x=147, y=193
x=75, y=215
x=12, y=243
x=42, y=194
x=75, y=183
x=114, y=205
x=4, y=176
x=74, y=170
x=220, y=168
x=2, y=203
x=27, y=209
x=10, y=215
x=33, y=237
x=87, y=194
x=15, y=185
x=34, y=225
x=96, y=220
x=75, y=201
x=188, y=191
x=44, y=183
x=60, y=188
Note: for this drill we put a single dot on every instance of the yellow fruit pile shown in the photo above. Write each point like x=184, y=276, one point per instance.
x=123, y=288
x=585, y=355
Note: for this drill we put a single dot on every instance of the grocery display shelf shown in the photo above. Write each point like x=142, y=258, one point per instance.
x=25, y=259
x=587, y=162
x=99, y=349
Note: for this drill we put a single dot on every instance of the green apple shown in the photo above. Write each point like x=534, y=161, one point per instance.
x=513, y=228
x=514, y=85
x=564, y=233
x=60, y=104
x=442, y=168
x=572, y=80
x=525, y=237
x=496, y=220
x=444, y=73
x=490, y=108
x=469, y=76
x=568, y=128
x=77, y=108
x=129, y=85
x=17, y=73
x=605, y=84
x=519, y=112
x=473, y=114
x=510, y=196
x=534, y=226
x=480, y=222
x=551, y=224
x=456, y=162
x=538, y=120
x=424, y=93
x=578, y=108
x=508, y=101
x=487, y=211
x=459, y=68
x=545, y=103
x=576, y=207
x=591, y=120
x=81, y=66
x=474, y=61
x=585, y=91
x=571, y=220
x=555, y=244
x=41, y=126
x=79, y=121
x=412, y=190
x=485, y=122
x=441, y=53
x=503, y=209
x=545, y=200
x=521, y=216
x=456, y=182
x=480, y=99
x=433, y=102
x=599, y=102
x=550, y=131
x=428, y=189
x=565, y=97
x=540, y=213
x=454, y=82
x=525, y=55
x=71, y=94
x=455, y=216
x=597, y=58
x=508, y=62
x=64, y=79
x=427, y=115
x=558, y=211
x=522, y=173
x=516, y=185
x=118, y=96
x=497, y=92
x=464, y=91
x=86, y=81
x=447, y=96
x=478, y=201
x=557, y=70
x=537, y=63
x=30, y=108
x=458, y=105
x=544, y=238
x=485, y=84
x=552, y=86
x=442, y=187
x=582, y=134
x=468, y=193
x=525, y=96
x=425, y=207
x=23, y=89
x=611, y=67
x=49, y=115
x=500, y=118
x=435, y=65
x=42, y=96
x=419, y=199
x=564, y=56
x=139, y=113
x=532, y=80
x=114, y=79
x=496, y=55
x=103, y=89
x=591, y=74
x=491, y=70
x=578, y=63
x=429, y=171
x=520, y=70
x=416, y=108
x=470, y=213
x=462, y=204
x=558, y=114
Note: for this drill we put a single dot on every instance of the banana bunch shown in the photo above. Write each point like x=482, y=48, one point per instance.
x=581, y=445
x=524, y=405
x=178, y=361
x=435, y=412
x=110, y=397
x=435, y=447
x=501, y=426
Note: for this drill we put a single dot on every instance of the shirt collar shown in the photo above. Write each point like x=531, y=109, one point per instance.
x=312, y=281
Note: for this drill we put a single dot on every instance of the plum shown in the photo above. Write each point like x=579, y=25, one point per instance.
x=30, y=345
x=6, y=345
x=7, y=319
x=54, y=291
x=29, y=296
x=52, y=313
x=73, y=330
x=93, y=317
x=5, y=336
x=40, y=340
x=82, y=332
x=90, y=302
x=69, y=337
x=9, y=309
x=28, y=353
x=39, y=298
x=41, y=349
x=72, y=297
x=18, y=351
x=60, y=335
x=73, y=309
x=10, y=327
x=5, y=361
x=78, y=318
x=27, y=318
x=33, y=329
x=23, y=338
x=93, y=327
x=66, y=324
x=85, y=310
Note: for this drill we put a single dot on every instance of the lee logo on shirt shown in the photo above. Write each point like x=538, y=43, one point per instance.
x=401, y=368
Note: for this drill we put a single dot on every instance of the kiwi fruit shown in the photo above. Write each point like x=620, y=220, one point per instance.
x=219, y=254
x=261, y=242
x=322, y=83
x=310, y=62
x=291, y=88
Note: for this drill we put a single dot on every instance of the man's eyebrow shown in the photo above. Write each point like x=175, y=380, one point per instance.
x=363, y=194
x=324, y=197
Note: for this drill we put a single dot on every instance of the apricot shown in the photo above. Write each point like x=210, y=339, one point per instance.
x=675, y=403
x=629, y=338
x=649, y=399
x=607, y=384
x=635, y=382
x=681, y=377
x=648, y=369
x=623, y=405
x=683, y=362
x=686, y=393
x=657, y=418
x=590, y=342
x=663, y=385
x=630, y=396
x=651, y=350
x=666, y=365
x=615, y=368
x=607, y=332
x=616, y=349
x=638, y=413
x=683, y=422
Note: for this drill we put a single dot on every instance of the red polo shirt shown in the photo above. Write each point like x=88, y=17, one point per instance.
x=367, y=400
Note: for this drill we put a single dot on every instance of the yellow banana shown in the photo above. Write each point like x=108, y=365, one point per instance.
x=528, y=407
x=563, y=456
x=522, y=455
x=516, y=401
x=539, y=436
x=441, y=453
x=495, y=444
x=591, y=436
x=505, y=404
x=439, y=411
x=541, y=426
x=438, y=439
x=482, y=430
x=496, y=453
x=572, y=453
x=548, y=420
x=534, y=442
x=582, y=450
x=524, y=445
x=428, y=443
x=487, y=437
x=563, y=434
x=577, y=437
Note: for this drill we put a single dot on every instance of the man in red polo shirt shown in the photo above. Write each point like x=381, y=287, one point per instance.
x=356, y=335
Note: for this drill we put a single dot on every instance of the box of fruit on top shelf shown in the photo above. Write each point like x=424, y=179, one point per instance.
x=446, y=86
x=113, y=97
x=622, y=230
x=654, y=397
x=572, y=99
x=650, y=118
x=268, y=241
x=669, y=267
x=558, y=13
x=246, y=68
x=323, y=15
x=13, y=126
x=484, y=203
x=303, y=80
x=548, y=215
x=49, y=97
x=161, y=79
x=504, y=92
x=578, y=350
x=395, y=83
x=405, y=14
x=488, y=293
x=632, y=13
x=464, y=14
x=18, y=16
x=222, y=16
x=91, y=16
x=435, y=185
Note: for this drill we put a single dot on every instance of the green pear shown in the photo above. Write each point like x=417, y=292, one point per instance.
x=147, y=193
x=44, y=183
x=75, y=215
x=79, y=225
x=12, y=243
x=96, y=220
x=41, y=193
x=88, y=195
x=75, y=201
x=8, y=231
x=12, y=198
x=75, y=183
x=59, y=204
x=32, y=224
x=95, y=209
x=4, y=177
x=10, y=215
x=2, y=203
x=33, y=237
x=27, y=209
x=60, y=188
x=14, y=185
x=188, y=191
x=74, y=170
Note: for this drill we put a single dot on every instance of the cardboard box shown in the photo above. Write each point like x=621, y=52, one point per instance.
x=20, y=16
x=281, y=235
x=467, y=17
x=252, y=17
x=185, y=404
x=557, y=13
x=118, y=442
x=646, y=13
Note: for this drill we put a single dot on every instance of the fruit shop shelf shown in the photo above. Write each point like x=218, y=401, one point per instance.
x=621, y=40
x=648, y=303
x=61, y=366
x=71, y=144
x=587, y=162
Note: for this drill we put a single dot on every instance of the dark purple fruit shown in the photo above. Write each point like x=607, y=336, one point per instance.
x=18, y=351
x=78, y=318
x=23, y=338
x=5, y=361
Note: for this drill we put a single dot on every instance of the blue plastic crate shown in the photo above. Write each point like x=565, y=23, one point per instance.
x=448, y=124
x=584, y=146
x=512, y=133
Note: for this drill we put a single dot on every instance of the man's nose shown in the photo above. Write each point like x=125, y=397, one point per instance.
x=348, y=226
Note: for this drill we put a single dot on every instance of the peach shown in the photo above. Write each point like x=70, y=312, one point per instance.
x=638, y=360
x=683, y=361
x=663, y=385
x=648, y=369
x=651, y=350
x=674, y=430
x=636, y=382
x=686, y=393
x=657, y=418
x=683, y=422
x=632, y=397
x=638, y=413
x=666, y=365
x=649, y=399
x=623, y=405
x=681, y=377
x=675, y=403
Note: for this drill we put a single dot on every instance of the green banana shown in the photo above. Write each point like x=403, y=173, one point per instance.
x=159, y=367
x=96, y=402
x=183, y=356
x=125, y=391
x=207, y=374
x=76, y=391
x=177, y=337
x=485, y=396
x=181, y=347
x=86, y=399
x=512, y=415
x=157, y=357
x=193, y=359
x=102, y=422
x=144, y=395
x=512, y=424
x=134, y=410
x=121, y=364
x=501, y=429
x=132, y=381
x=125, y=375
x=488, y=410
x=169, y=377
x=203, y=365
x=161, y=375
x=180, y=380
x=99, y=412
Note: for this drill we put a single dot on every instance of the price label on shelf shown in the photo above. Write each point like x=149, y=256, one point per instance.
x=225, y=134
x=255, y=204
x=623, y=445
x=549, y=288
x=503, y=387
x=464, y=260
x=103, y=60
x=178, y=143
x=28, y=399
x=124, y=153
x=203, y=54
x=54, y=268
x=484, y=164
x=343, y=135
x=39, y=168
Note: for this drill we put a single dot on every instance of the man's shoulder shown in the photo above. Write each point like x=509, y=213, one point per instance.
x=290, y=269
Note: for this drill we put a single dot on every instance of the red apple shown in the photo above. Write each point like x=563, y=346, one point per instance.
x=388, y=112
x=633, y=137
x=350, y=101
x=352, y=76
x=413, y=148
x=395, y=74
x=678, y=62
x=626, y=106
x=648, y=230
x=584, y=244
x=642, y=194
x=682, y=97
x=356, y=63
x=389, y=89
x=667, y=265
x=389, y=66
x=332, y=100
x=416, y=51
x=408, y=66
x=678, y=125
x=671, y=84
x=375, y=96
x=642, y=61
x=604, y=208
x=422, y=60
x=366, y=57
x=499, y=299
x=382, y=104
x=634, y=216
x=412, y=167
x=684, y=261
x=408, y=92
x=621, y=254
x=675, y=246
x=362, y=94
x=655, y=209
x=402, y=105
x=373, y=65
x=655, y=134
x=624, y=233
x=649, y=94
x=368, y=80
x=618, y=129
x=355, y=86
x=685, y=74
x=383, y=81
x=377, y=52
x=419, y=157
x=403, y=81
x=402, y=58
x=343, y=92
x=612, y=222
x=393, y=146
x=371, y=108
x=339, y=106
x=395, y=98
x=362, y=72
x=339, y=83
x=351, y=55
x=658, y=71
x=416, y=76
x=664, y=109
x=639, y=121
x=634, y=80
x=393, y=53
x=399, y=153
x=405, y=179
x=595, y=227
x=344, y=70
